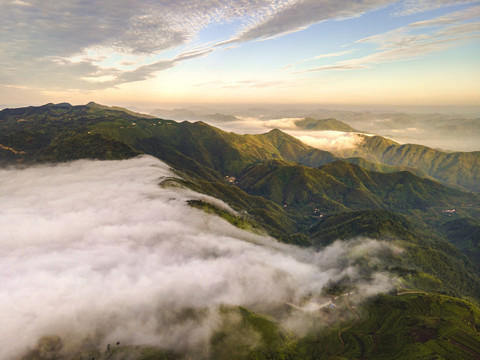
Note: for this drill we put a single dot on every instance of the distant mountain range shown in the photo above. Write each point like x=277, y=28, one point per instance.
x=440, y=131
x=196, y=114
x=307, y=197
x=209, y=115
x=323, y=124
x=461, y=169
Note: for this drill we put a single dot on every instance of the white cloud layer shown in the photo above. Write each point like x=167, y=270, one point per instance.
x=98, y=249
x=333, y=141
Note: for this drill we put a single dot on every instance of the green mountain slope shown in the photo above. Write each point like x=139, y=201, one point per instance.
x=457, y=169
x=377, y=224
x=258, y=213
x=34, y=132
x=227, y=153
x=60, y=132
x=200, y=114
x=341, y=201
x=423, y=254
x=379, y=167
x=340, y=186
x=406, y=326
x=323, y=124
x=464, y=233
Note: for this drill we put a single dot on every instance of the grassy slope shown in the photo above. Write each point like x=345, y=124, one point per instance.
x=456, y=169
x=256, y=212
x=323, y=124
x=408, y=326
x=379, y=167
x=424, y=253
x=227, y=153
x=343, y=186
x=326, y=197
x=465, y=234
x=34, y=130
x=59, y=133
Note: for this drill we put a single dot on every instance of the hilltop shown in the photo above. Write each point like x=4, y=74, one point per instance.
x=323, y=124
x=459, y=169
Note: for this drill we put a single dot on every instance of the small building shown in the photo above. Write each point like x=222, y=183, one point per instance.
x=231, y=179
x=449, y=211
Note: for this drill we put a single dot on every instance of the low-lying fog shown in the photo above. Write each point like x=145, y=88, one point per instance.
x=448, y=138
x=329, y=140
x=98, y=250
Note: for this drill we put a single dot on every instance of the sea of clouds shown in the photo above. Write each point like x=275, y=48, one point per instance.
x=328, y=140
x=98, y=250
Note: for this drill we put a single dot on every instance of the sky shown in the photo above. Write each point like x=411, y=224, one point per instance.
x=153, y=52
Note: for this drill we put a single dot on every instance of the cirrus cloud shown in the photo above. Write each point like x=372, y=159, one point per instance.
x=61, y=45
x=99, y=44
x=414, y=40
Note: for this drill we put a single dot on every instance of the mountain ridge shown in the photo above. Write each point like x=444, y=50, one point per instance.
x=458, y=169
x=312, y=124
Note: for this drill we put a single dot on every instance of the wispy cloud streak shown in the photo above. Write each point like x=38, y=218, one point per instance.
x=415, y=40
x=96, y=44
x=410, y=7
x=54, y=45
